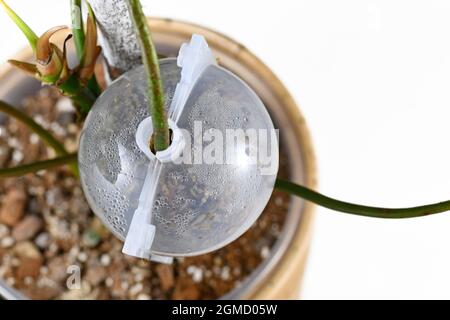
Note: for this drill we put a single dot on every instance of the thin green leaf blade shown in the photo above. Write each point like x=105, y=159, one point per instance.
x=26, y=30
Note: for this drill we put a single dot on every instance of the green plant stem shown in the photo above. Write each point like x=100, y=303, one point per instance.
x=151, y=63
x=80, y=95
x=77, y=27
x=44, y=134
x=357, y=209
x=93, y=86
x=70, y=159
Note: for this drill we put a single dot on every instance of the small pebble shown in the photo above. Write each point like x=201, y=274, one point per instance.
x=225, y=274
x=27, y=249
x=57, y=268
x=95, y=275
x=7, y=242
x=217, y=261
x=28, y=281
x=64, y=104
x=82, y=257
x=17, y=156
x=14, y=143
x=139, y=277
x=279, y=201
x=109, y=282
x=265, y=252
x=11, y=281
x=73, y=252
x=4, y=231
x=216, y=270
x=166, y=276
x=56, y=128
x=34, y=138
x=136, y=289
x=197, y=276
x=13, y=207
x=125, y=285
x=29, y=267
x=105, y=260
x=44, y=270
x=27, y=228
x=53, y=196
x=15, y=262
x=42, y=240
x=196, y=273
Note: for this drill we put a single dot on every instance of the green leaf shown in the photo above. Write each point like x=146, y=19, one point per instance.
x=26, y=30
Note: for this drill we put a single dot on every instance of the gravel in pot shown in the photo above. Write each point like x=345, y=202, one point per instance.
x=46, y=226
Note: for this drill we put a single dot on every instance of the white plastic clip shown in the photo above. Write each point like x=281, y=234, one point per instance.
x=194, y=58
x=141, y=233
x=161, y=259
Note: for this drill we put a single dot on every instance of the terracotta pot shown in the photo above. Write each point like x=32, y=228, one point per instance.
x=279, y=276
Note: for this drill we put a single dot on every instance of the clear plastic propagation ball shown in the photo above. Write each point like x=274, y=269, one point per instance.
x=202, y=192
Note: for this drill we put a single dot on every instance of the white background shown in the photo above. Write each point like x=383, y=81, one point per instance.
x=373, y=79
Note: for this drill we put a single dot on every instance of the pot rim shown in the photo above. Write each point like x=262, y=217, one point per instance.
x=273, y=273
